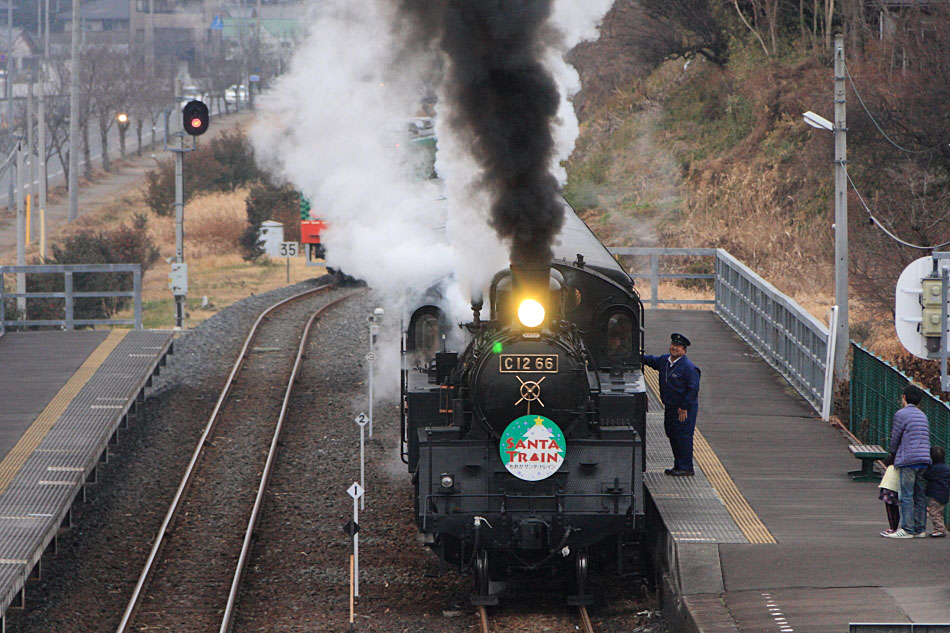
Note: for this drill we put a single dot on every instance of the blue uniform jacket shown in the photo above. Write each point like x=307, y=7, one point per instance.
x=679, y=385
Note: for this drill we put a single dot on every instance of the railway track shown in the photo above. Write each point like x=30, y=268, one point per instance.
x=193, y=574
x=585, y=626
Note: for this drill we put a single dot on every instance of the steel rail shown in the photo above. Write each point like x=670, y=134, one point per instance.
x=586, y=625
x=226, y=619
x=483, y=619
x=585, y=620
x=186, y=478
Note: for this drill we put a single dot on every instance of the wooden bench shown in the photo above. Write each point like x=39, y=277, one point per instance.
x=868, y=454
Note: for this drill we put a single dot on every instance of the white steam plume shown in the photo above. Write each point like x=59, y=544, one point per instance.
x=331, y=124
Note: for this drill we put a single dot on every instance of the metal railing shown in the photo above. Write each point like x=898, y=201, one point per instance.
x=789, y=338
x=69, y=295
x=655, y=275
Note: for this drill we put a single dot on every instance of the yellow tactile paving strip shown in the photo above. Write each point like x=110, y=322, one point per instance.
x=17, y=456
x=742, y=513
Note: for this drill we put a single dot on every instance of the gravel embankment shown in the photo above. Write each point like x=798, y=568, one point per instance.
x=297, y=578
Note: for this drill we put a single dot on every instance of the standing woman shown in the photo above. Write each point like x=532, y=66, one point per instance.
x=679, y=391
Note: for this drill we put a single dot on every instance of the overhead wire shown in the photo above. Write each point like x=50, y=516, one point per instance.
x=883, y=133
x=887, y=231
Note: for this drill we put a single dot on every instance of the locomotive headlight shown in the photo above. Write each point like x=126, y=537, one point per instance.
x=530, y=313
x=447, y=480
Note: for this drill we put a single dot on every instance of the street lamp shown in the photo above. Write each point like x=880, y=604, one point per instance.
x=840, y=128
x=818, y=121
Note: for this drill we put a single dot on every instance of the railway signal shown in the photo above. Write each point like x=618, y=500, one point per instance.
x=196, y=118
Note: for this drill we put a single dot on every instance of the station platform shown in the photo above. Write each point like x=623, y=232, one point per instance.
x=63, y=397
x=772, y=534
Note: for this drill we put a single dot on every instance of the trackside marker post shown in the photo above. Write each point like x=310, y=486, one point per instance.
x=361, y=421
x=373, y=321
x=351, y=593
x=356, y=491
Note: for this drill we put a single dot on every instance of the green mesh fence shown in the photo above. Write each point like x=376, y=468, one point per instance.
x=876, y=388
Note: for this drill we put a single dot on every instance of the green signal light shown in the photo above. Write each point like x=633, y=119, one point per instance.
x=496, y=347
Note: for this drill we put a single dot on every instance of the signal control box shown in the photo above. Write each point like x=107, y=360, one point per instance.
x=931, y=297
x=178, y=279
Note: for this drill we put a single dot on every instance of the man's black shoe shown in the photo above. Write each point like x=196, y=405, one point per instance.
x=669, y=471
x=681, y=473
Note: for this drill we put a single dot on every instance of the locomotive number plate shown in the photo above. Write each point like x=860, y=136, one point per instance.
x=537, y=363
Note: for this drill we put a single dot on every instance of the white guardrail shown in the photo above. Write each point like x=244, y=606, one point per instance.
x=69, y=295
x=789, y=338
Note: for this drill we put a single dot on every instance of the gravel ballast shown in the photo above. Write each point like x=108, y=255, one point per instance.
x=298, y=573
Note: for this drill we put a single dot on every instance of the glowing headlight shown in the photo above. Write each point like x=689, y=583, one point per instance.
x=530, y=313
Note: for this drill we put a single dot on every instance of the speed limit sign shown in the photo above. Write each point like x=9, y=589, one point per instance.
x=289, y=249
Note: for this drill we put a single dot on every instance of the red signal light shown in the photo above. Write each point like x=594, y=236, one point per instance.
x=195, y=118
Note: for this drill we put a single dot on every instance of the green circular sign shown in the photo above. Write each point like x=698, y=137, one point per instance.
x=532, y=447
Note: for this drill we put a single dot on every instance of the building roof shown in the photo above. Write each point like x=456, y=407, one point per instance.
x=98, y=10
x=280, y=28
x=23, y=43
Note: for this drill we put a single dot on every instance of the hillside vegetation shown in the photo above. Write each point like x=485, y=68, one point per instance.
x=692, y=135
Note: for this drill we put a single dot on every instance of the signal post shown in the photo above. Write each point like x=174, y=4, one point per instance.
x=195, y=121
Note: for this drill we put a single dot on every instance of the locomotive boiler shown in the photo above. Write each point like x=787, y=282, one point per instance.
x=525, y=439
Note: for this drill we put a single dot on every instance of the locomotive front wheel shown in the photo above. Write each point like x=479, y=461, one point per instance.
x=481, y=574
x=482, y=597
x=580, y=598
x=580, y=573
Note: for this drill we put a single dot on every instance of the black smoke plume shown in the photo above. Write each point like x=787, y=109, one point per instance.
x=502, y=102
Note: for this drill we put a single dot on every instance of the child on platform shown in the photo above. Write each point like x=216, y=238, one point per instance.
x=890, y=485
x=938, y=490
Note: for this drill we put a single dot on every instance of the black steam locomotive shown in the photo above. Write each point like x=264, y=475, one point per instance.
x=526, y=442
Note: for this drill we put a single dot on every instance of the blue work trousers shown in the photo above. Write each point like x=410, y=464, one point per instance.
x=680, y=435
x=913, y=500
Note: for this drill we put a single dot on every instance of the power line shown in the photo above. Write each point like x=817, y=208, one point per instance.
x=883, y=133
x=879, y=225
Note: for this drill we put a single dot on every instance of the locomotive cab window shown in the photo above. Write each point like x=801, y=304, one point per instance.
x=425, y=335
x=619, y=338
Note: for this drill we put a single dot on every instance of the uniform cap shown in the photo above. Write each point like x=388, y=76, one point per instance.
x=678, y=339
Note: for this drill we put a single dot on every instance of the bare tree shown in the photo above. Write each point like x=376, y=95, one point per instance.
x=667, y=29
x=916, y=209
x=57, y=113
x=105, y=75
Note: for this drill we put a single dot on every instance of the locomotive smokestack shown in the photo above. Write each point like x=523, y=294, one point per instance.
x=503, y=103
x=531, y=296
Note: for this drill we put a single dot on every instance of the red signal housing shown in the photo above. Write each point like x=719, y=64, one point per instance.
x=196, y=118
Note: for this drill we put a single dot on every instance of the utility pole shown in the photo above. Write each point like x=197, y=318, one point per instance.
x=46, y=35
x=41, y=156
x=257, y=59
x=8, y=90
x=30, y=148
x=74, y=117
x=41, y=153
x=20, y=229
x=841, y=214
x=150, y=42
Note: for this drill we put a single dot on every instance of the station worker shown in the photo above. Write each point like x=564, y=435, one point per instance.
x=679, y=391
